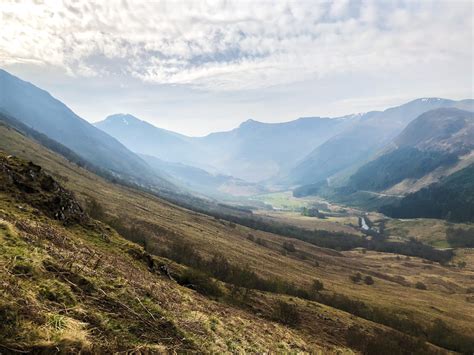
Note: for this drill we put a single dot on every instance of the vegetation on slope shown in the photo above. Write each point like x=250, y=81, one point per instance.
x=264, y=256
x=400, y=164
x=84, y=288
x=452, y=199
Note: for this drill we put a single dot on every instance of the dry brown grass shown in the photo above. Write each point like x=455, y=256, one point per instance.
x=209, y=235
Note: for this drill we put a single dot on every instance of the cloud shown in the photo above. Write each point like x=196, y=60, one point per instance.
x=234, y=45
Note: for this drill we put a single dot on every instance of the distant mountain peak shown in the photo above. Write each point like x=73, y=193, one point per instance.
x=249, y=122
x=123, y=118
x=430, y=99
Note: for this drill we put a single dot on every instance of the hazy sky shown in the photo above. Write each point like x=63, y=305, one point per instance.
x=201, y=66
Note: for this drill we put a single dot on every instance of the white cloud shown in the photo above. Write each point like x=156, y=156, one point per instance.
x=235, y=45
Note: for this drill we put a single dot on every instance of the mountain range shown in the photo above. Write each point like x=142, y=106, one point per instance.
x=104, y=249
x=254, y=151
x=361, y=141
x=392, y=152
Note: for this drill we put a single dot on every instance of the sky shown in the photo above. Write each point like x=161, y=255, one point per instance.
x=197, y=67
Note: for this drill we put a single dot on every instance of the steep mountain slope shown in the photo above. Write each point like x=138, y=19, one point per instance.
x=254, y=151
x=433, y=141
x=360, y=142
x=452, y=198
x=38, y=109
x=83, y=288
x=239, y=314
x=144, y=138
x=445, y=129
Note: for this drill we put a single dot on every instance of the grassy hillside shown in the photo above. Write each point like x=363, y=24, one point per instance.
x=393, y=299
x=84, y=288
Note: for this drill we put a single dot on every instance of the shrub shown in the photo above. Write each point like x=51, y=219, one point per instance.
x=317, y=286
x=289, y=247
x=23, y=268
x=356, y=278
x=261, y=242
x=286, y=313
x=95, y=210
x=368, y=280
x=462, y=238
x=420, y=286
x=200, y=282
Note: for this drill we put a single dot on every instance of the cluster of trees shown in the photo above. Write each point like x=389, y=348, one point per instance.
x=451, y=199
x=332, y=240
x=460, y=238
x=438, y=333
x=357, y=277
x=220, y=268
x=312, y=212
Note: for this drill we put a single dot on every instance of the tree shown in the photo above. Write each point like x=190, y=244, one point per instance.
x=317, y=285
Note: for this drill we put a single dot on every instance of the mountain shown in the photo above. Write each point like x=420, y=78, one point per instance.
x=144, y=138
x=94, y=267
x=254, y=151
x=444, y=129
x=360, y=142
x=257, y=151
x=436, y=140
x=37, y=109
x=201, y=181
x=452, y=198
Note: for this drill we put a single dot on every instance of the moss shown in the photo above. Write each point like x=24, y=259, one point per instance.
x=8, y=320
x=23, y=268
x=57, y=292
x=213, y=322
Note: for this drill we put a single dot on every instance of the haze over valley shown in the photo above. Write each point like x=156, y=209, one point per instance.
x=237, y=177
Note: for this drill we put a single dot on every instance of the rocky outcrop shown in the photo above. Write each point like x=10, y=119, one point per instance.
x=30, y=184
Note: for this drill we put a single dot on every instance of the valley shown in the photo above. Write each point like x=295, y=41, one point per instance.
x=174, y=257
x=393, y=292
x=237, y=177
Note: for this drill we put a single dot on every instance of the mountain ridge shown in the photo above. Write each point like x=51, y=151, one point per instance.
x=44, y=113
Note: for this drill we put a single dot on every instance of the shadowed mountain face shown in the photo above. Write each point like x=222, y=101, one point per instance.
x=361, y=141
x=39, y=110
x=434, y=140
x=452, y=198
x=447, y=129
